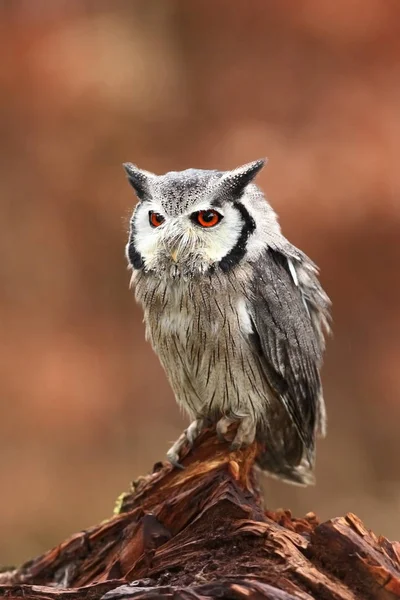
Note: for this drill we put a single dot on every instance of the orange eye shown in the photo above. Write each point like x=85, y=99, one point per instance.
x=207, y=218
x=155, y=219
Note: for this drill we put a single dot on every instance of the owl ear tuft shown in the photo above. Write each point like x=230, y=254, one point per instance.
x=138, y=179
x=236, y=180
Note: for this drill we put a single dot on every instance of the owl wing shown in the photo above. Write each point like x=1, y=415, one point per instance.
x=288, y=310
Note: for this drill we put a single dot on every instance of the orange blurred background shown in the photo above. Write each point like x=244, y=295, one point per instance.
x=86, y=85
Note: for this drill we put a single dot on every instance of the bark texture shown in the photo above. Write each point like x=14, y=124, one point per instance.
x=202, y=532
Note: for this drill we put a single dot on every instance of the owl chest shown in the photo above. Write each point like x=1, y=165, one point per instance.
x=200, y=334
x=183, y=322
x=177, y=320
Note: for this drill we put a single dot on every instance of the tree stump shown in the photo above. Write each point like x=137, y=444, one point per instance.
x=202, y=532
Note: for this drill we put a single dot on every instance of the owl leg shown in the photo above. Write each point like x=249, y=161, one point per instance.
x=189, y=435
x=174, y=451
x=194, y=430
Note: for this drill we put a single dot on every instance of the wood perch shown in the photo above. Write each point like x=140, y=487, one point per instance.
x=202, y=532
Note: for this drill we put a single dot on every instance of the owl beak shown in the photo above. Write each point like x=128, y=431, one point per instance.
x=174, y=254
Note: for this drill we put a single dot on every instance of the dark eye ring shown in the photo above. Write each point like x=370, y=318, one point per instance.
x=206, y=218
x=155, y=219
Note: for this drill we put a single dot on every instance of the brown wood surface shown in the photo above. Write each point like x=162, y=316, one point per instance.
x=202, y=532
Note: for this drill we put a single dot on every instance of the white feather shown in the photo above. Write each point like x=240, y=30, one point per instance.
x=244, y=317
x=293, y=272
x=185, y=237
x=218, y=241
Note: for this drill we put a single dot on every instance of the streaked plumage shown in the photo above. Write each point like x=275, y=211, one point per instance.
x=234, y=311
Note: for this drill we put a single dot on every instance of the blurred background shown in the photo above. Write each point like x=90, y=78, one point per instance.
x=85, y=85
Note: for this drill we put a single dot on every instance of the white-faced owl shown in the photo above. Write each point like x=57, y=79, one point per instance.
x=234, y=311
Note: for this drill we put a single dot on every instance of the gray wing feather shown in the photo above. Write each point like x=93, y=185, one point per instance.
x=288, y=315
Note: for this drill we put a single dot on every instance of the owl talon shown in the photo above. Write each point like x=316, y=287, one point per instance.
x=235, y=446
x=220, y=437
x=174, y=451
x=174, y=460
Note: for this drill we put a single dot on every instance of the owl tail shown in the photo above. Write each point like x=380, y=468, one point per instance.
x=279, y=468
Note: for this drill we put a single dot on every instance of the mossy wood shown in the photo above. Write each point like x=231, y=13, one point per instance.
x=203, y=532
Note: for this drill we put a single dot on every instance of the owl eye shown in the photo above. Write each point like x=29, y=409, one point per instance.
x=155, y=219
x=207, y=218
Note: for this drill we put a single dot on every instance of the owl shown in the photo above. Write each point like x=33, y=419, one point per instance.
x=234, y=311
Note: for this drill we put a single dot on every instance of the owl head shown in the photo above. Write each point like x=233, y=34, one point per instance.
x=189, y=222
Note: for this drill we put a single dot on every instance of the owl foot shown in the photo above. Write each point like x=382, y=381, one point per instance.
x=245, y=435
x=222, y=427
